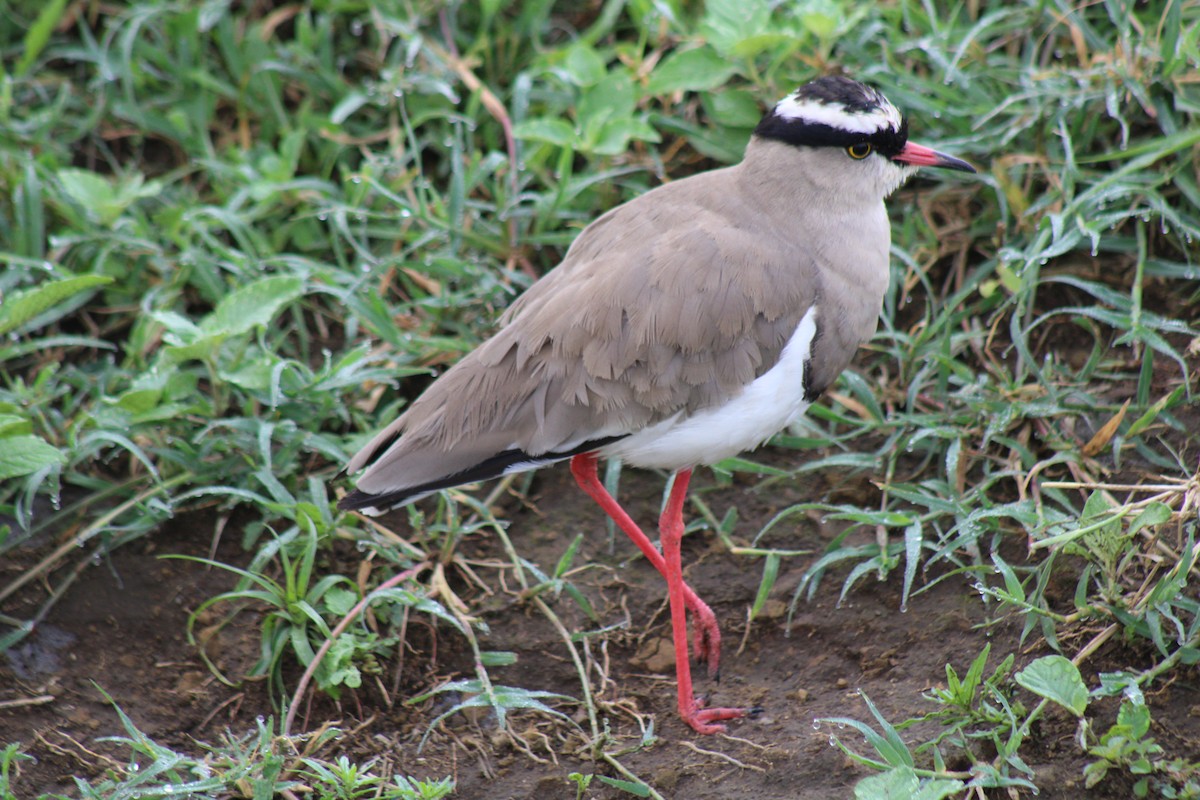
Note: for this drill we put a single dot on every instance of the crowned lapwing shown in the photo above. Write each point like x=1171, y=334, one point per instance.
x=681, y=328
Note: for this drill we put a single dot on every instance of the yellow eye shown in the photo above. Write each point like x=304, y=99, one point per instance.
x=860, y=150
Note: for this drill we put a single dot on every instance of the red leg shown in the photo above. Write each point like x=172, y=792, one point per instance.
x=707, y=634
x=670, y=526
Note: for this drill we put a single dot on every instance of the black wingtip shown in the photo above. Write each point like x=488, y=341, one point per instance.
x=358, y=500
x=491, y=467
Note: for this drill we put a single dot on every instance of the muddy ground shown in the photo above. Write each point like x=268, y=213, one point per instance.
x=122, y=627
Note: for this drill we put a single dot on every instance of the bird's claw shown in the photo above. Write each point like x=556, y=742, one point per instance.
x=701, y=719
x=706, y=640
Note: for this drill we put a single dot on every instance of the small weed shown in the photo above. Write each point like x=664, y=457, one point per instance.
x=10, y=765
x=974, y=711
x=413, y=789
x=262, y=763
x=1125, y=746
x=344, y=780
x=581, y=781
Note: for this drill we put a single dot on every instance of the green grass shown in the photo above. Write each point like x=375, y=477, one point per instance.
x=228, y=233
x=263, y=762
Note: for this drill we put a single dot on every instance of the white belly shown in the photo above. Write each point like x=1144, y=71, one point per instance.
x=766, y=406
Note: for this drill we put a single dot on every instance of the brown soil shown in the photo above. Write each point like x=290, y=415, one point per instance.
x=122, y=628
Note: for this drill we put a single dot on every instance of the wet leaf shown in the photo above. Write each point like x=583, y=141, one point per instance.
x=1057, y=679
x=695, y=70
x=22, y=307
x=25, y=455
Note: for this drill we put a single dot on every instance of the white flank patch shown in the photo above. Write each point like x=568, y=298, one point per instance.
x=835, y=116
x=376, y=511
x=533, y=463
x=769, y=404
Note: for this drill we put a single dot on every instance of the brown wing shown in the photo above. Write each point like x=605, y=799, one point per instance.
x=673, y=301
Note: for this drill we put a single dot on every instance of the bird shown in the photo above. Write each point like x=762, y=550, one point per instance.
x=684, y=326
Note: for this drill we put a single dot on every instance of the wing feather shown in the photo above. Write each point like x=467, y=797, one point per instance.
x=670, y=303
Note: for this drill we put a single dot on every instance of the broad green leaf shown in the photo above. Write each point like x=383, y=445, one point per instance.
x=695, y=70
x=726, y=145
x=201, y=349
x=753, y=45
x=339, y=600
x=727, y=24
x=103, y=198
x=613, y=99
x=12, y=424
x=734, y=108
x=1123, y=683
x=253, y=305
x=583, y=65
x=902, y=783
x=177, y=325
x=1153, y=514
x=824, y=22
x=1135, y=717
x=1056, y=678
x=138, y=401
x=155, y=395
x=1095, y=506
x=542, y=129
x=612, y=138
x=939, y=789
x=253, y=375
x=26, y=454
x=19, y=308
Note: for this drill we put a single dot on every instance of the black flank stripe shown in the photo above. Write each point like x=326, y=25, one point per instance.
x=811, y=390
x=491, y=467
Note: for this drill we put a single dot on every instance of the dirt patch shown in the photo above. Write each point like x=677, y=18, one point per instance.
x=122, y=625
x=120, y=628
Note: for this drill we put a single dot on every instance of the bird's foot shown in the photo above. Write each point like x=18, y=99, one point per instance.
x=706, y=639
x=701, y=719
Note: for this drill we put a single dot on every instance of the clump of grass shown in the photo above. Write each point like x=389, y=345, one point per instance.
x=265, y=762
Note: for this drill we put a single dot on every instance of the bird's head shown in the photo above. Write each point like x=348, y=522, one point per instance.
x=861, y=137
